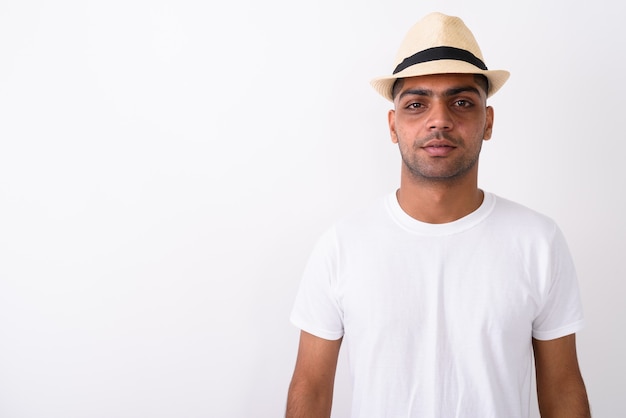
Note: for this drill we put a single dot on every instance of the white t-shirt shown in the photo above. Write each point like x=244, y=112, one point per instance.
x=438, y=318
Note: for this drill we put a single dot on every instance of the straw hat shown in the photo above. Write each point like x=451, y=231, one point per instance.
x=439, y=44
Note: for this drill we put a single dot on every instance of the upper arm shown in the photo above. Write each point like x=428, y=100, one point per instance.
x=311, y=388
x=317, y=359
x=560, y=387
x=556, y=359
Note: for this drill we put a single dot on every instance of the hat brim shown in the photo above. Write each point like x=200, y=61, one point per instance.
x=384, y=85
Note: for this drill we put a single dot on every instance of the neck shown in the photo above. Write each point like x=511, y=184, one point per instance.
x=439, y=202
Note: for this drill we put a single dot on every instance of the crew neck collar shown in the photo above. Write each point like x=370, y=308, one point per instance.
x=449, y=228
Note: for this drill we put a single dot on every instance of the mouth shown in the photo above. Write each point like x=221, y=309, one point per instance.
x=438, y=149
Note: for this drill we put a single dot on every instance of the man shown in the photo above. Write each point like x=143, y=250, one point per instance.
x=442, y=292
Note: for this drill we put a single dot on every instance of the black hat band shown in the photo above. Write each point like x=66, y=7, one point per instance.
x=441, y=53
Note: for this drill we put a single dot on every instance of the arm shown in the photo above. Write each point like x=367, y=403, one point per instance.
x=560, y=388
x=311, y=388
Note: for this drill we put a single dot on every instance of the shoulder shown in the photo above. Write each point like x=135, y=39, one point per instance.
x=519, y=216
x=526, y=227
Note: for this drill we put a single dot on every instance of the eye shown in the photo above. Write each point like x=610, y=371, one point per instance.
x=463, y=103
x=414, y=105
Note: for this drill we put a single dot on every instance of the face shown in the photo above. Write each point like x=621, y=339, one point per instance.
x=439, y=123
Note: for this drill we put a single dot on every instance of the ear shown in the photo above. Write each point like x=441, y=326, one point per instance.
x=488, y=123
x=391, y=119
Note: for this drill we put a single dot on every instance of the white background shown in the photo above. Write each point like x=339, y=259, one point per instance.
x=166, y=166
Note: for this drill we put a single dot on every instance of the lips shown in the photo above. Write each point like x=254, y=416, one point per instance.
x=438, y=148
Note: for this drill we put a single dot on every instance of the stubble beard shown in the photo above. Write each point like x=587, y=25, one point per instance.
x=437, y=169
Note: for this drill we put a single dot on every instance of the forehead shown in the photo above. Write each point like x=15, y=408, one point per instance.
x=439, y=82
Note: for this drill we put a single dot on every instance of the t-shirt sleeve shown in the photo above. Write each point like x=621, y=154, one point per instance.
x=316, y=309
x=561, y=312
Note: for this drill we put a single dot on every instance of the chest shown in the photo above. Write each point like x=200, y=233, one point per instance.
x=419, y=289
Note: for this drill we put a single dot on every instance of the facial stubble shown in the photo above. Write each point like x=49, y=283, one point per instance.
x=437, y=169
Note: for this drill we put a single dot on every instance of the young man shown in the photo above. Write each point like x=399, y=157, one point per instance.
x=441, y=291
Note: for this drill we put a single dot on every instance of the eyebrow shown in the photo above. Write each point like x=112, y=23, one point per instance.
x=450, y=92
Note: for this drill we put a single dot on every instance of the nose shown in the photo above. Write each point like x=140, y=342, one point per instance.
x=439, y=116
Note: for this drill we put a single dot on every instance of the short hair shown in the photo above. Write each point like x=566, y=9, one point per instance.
x=397, y=86
x=481, y=79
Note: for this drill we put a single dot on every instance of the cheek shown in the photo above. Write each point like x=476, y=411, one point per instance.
x=402, y=137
